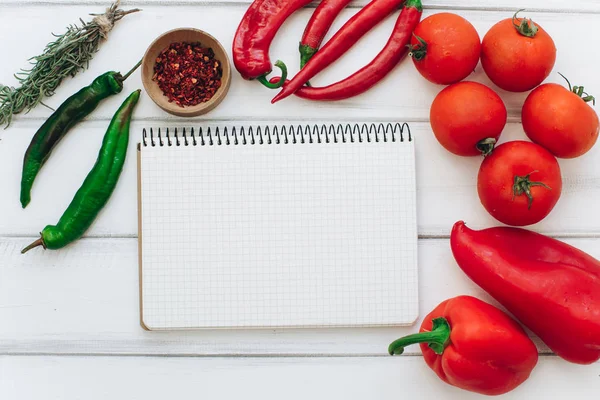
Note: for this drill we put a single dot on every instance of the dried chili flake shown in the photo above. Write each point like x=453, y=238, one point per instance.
x=187, y=73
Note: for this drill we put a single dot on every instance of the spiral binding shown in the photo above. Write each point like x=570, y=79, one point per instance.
x=278, y=135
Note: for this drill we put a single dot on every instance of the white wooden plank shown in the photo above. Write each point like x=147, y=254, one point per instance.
x=84, y=300
x=154, y=378
x=548, y=5
x=441, y=176
x=403, y=95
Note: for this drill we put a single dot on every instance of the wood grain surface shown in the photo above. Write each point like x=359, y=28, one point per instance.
x=484, y=5
x=69, y=319
x=390, y=378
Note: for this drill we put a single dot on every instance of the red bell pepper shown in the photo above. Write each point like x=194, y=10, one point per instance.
x=551, y=287
x=474, y=346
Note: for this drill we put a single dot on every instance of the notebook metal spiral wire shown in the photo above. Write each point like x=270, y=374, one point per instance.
x=300, y=134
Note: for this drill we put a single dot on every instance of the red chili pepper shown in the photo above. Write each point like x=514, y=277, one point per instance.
x=551, y=287
x=318, y=26
x=368, y=76
x=255, y=34
x=356, y=27
x=474, y=346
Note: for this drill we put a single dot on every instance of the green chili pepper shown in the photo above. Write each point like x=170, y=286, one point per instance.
x=73, y=110
x=98, y=185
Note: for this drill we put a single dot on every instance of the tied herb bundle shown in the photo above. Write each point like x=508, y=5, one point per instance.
x=66, y=56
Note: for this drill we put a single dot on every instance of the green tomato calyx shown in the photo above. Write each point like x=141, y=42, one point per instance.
x=524, y=26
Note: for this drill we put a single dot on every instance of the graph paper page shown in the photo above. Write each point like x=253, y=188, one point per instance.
x=279, y=235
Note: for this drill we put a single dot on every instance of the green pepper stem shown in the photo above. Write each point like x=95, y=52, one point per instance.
x=276, y=85
x=131, y=71
x=414, y=4
x=438, y=338
x=39, y=242
x=306, y=52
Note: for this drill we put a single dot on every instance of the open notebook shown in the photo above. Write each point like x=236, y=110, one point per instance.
x=279, y=226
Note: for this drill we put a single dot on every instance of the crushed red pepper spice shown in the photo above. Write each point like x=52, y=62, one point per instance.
x=187, y=73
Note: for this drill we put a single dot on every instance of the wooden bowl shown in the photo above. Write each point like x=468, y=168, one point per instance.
x=184, y=35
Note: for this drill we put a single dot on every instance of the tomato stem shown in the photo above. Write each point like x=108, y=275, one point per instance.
x=579, y=91
x=568, y=83
x=418, y=51
x=523, y=185
x=485, y=146
x=525, y=26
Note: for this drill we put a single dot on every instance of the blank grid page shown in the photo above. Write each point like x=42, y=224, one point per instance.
x=280, y=235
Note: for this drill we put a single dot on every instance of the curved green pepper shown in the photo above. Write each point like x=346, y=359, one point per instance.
x=73, y=110
x=98, y=185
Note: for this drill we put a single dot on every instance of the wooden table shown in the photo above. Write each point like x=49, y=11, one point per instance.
x=69, y=319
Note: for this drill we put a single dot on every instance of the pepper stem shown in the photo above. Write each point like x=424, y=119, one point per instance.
x=522, y=185
x=414, y=4
x=579, y=91
x=525, y=27
x=306, y=52
x=131, y=71
x=438, y=338
x=418, y=51
x=39, y=242
x=276, y=85
x=486, y=146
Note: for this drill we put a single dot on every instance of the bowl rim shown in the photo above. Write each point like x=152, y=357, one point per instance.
x=188, y=111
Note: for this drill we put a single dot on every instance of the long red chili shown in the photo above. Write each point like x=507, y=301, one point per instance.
x=255, y=34
x=368, y=76
x=318, y=26
x=346, y=37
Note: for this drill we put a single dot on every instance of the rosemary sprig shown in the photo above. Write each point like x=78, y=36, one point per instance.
x=66, y=56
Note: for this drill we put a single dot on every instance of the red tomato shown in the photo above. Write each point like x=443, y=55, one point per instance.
x=517, y=58
x=519, y=183
x=467, y=118
x=560, y=120
x=449, y=50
